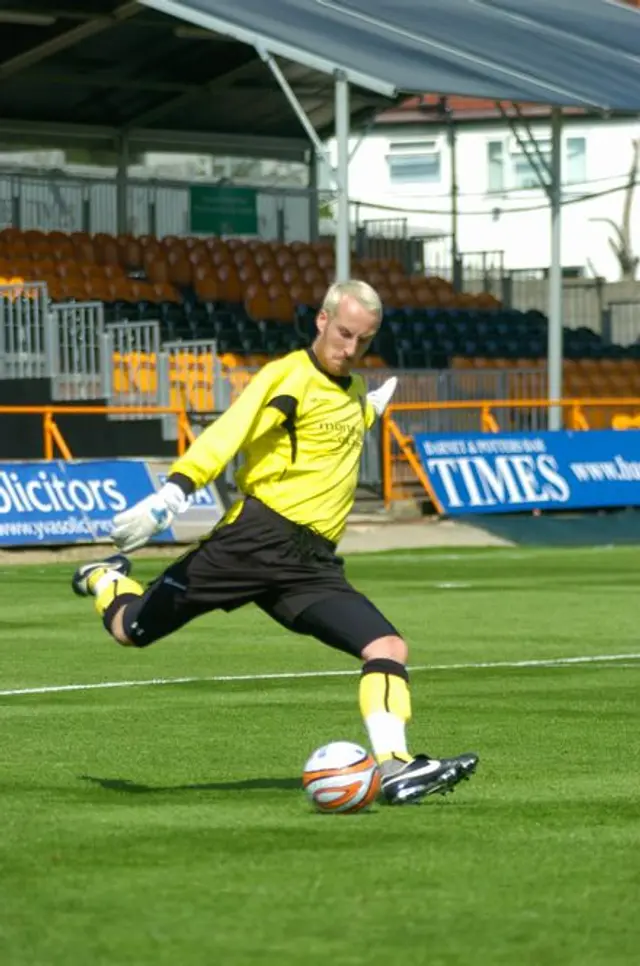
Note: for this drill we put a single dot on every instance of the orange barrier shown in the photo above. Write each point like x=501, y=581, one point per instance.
x=53, y=438
x=401, y=467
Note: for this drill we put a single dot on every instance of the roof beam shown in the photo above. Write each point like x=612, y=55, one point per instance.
x=111, y=81
x=218, y=83
x=34, y=132
x=43, y=133
x=148, y=18
x=67, y=39
x=238, y=145
x=114, y=81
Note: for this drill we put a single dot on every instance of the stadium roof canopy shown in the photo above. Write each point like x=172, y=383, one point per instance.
x=563, y=52
x=189, y=73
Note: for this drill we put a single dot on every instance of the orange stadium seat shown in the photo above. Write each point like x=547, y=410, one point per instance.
x=255, y=293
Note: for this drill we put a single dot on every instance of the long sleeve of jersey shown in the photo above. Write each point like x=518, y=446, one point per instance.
x=247, y=419
x=370, y=416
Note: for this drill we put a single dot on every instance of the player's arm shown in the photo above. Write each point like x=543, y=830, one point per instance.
x=249, y=417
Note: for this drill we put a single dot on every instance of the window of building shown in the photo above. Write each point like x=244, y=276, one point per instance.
x=510, y=168
x=524, y=173
x=495, y=157
x=575, y=161
x=414, y=162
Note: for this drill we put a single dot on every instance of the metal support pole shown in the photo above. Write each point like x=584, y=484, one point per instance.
x=455, y=192
x=300, y=113
x=554, y=345
x=122, y=186
x=343, y=228
x=314, y=200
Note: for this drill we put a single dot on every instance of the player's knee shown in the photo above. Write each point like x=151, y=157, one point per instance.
x=116, y=627
x=121, y=621
x=391, y=647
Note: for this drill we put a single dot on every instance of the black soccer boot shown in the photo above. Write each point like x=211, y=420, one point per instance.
x=80, y=580
x=424, y=776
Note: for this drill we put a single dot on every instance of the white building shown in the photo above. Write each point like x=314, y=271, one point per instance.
x=403, y=169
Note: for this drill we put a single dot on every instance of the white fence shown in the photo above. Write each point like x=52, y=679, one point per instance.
x=61, y=342
x=24, y=353
x=622, y=322
x=63, y=203
x=75, y=333
x=130, y=354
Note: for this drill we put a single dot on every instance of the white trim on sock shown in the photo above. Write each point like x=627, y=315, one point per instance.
x=386, y=733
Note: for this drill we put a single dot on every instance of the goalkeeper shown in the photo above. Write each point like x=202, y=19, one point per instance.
x=300, y=425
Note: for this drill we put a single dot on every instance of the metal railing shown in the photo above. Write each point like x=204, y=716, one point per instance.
x=142, y=370
x=61, y=342
x=584, y=300
x=130, y=363
x=24, y=349
x=75, y=333
x=54, y=441
x=193, y=378
x=390, y=238
x=621, y=322
x=196, y=375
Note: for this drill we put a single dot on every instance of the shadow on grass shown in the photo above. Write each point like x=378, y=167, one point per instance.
x=249, y=784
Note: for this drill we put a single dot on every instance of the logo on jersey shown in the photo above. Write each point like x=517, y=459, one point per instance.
x=345, y=433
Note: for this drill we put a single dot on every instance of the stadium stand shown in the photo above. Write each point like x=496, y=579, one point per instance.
x=258, y=299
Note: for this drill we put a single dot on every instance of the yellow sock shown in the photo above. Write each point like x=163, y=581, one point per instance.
x=385, y=705
x=106, y=585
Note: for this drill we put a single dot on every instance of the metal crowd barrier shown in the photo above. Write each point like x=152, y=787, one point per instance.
x=61, y=342
x=24, y=349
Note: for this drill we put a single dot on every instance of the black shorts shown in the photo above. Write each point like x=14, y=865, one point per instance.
x=289, y=571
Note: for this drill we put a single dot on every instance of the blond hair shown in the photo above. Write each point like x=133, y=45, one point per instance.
x=362, y=292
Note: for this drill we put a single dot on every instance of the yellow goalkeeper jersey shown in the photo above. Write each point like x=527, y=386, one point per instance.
x=301, y=433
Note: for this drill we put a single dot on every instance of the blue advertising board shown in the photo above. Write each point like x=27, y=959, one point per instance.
x=511, y=472
x=57, y=502
x=64, y=503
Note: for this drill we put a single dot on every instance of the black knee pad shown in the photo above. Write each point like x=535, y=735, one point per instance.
x=132, y=604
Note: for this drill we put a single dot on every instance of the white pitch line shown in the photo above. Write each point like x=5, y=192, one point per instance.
x=471, y=554
x=295, y=675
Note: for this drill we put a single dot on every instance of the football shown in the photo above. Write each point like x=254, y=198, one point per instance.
x=341, y=777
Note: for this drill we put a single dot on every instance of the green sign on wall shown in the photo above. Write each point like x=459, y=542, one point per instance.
x=223, y=210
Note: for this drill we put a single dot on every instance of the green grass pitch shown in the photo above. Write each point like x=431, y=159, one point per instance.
x=164, y=825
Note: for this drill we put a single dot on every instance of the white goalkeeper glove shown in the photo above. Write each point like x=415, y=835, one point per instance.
x=134, y=527
x=380, y=397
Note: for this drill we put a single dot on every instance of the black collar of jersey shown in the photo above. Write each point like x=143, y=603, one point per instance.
x=343, y=381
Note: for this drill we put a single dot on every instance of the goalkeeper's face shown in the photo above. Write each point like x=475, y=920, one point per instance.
x=344, y=337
